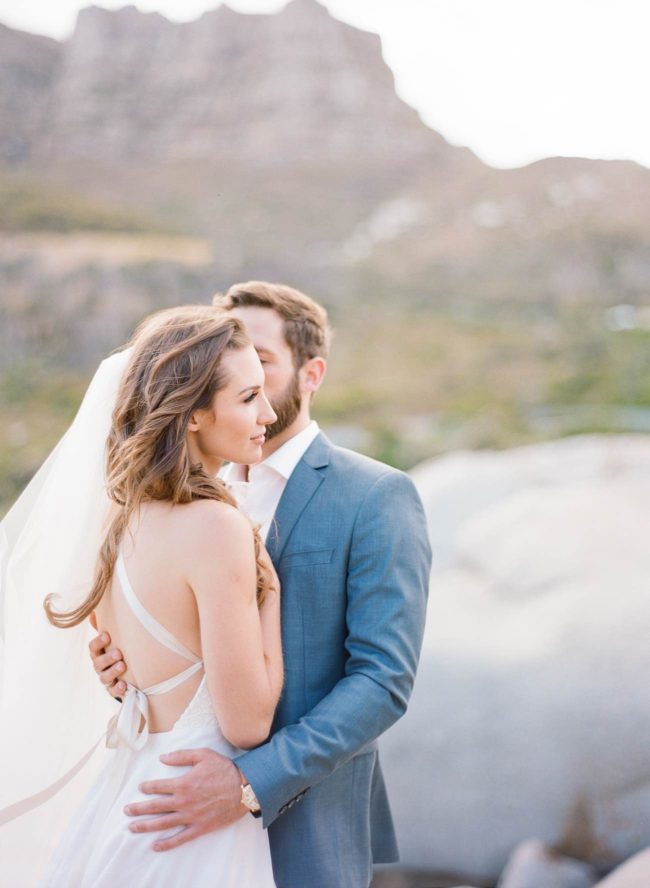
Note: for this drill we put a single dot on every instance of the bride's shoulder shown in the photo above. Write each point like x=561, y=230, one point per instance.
x=213, y=523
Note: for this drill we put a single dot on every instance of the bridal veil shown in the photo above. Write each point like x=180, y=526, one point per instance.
x=53, y=709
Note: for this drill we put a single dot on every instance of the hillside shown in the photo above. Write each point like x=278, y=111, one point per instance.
x=145, y=163
x=281, y=140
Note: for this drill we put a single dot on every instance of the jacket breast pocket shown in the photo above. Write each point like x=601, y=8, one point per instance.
x=302, y=559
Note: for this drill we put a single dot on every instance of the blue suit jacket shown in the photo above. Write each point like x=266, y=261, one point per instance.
x=350, y=545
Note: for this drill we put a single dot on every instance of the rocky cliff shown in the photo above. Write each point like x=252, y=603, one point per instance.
x=29, y=66
x=278, y=141
x=267, y=90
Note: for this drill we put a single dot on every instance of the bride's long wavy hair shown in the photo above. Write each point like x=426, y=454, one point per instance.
x=175, y=368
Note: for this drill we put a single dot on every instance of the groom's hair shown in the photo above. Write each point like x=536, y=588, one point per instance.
x=306, y=328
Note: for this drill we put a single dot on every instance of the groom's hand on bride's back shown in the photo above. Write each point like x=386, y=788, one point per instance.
x=108, y=664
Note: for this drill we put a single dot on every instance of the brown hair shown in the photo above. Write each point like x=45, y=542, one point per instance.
x=175, y=369
x=306, y=328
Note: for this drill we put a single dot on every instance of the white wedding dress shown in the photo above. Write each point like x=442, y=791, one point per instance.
x=98, y=850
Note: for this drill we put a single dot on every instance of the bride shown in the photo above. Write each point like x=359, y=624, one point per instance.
x=179, y=580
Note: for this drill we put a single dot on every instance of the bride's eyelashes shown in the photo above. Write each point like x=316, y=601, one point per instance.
x=251, y=397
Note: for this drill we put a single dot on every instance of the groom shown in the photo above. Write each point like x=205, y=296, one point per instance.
x=347, y=536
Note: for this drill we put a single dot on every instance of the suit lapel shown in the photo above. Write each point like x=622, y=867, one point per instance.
x=305, y=480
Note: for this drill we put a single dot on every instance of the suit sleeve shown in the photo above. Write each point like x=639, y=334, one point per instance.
x=387, y=585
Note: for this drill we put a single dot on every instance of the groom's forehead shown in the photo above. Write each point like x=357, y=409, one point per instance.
x=264, y=326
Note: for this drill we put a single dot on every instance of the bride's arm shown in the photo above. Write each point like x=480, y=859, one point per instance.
x=241, y=645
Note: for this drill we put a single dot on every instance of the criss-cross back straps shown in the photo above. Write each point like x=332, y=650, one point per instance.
x=130, y=726
x=152, y=625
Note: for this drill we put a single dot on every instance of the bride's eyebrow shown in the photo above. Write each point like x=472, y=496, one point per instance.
x=251, y=388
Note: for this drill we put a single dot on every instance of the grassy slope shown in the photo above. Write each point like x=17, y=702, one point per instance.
x=408, y=385
x=29, y=203
x=416, y=369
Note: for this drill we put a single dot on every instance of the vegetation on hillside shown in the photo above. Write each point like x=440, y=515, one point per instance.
x=29, y=204
x=405, y=385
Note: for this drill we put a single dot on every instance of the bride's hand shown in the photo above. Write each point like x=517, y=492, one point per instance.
x=108, y=664
x=205, y=798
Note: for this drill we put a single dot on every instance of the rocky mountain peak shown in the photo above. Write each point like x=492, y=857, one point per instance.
x=29, y=64
x=264, y=89
x=305, y=7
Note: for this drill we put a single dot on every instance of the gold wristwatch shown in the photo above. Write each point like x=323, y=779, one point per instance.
x=249, y=799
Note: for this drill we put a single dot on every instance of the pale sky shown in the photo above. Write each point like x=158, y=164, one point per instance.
x=515, y=80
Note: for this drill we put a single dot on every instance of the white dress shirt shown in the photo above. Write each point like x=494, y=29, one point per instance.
x=258, y=497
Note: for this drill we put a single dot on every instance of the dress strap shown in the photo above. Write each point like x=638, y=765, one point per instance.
x=170, y=683
x=130, y=726
x=152, y=625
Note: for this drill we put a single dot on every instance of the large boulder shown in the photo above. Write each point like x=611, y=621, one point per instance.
x=530, y=714
x=533, y=865
x=634, y=873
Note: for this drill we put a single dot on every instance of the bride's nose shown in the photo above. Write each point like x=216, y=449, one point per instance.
x=267, y=414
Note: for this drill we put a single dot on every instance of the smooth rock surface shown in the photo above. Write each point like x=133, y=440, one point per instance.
x=634, y=873
x=533, y=865
x=529, y=715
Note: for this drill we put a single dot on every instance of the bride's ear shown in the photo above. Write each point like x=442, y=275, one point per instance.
x=195, y=422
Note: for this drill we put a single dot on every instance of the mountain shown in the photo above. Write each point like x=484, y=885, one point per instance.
x=262, y=89
x=265, y=90
x=145, y=163
x=29, y=66
x=278, y=143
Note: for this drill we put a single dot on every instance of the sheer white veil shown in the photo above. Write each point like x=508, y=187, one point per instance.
x=53, y=709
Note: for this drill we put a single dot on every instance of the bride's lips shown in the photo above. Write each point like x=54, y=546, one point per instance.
x=259, y=439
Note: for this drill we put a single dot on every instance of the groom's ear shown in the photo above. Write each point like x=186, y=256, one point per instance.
x=312, y=374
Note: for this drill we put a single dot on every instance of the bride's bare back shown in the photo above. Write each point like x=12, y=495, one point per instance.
x=192, y=567
x=155, y=553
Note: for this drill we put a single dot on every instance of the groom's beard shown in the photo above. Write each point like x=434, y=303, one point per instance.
x=287, y=407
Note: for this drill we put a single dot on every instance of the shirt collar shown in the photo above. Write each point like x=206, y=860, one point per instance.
x=282, y=461
x=285, y=459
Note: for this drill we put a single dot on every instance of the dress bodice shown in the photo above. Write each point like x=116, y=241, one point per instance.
x=199, y=712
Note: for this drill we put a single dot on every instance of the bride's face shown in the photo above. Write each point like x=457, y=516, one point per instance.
x=233, y=428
